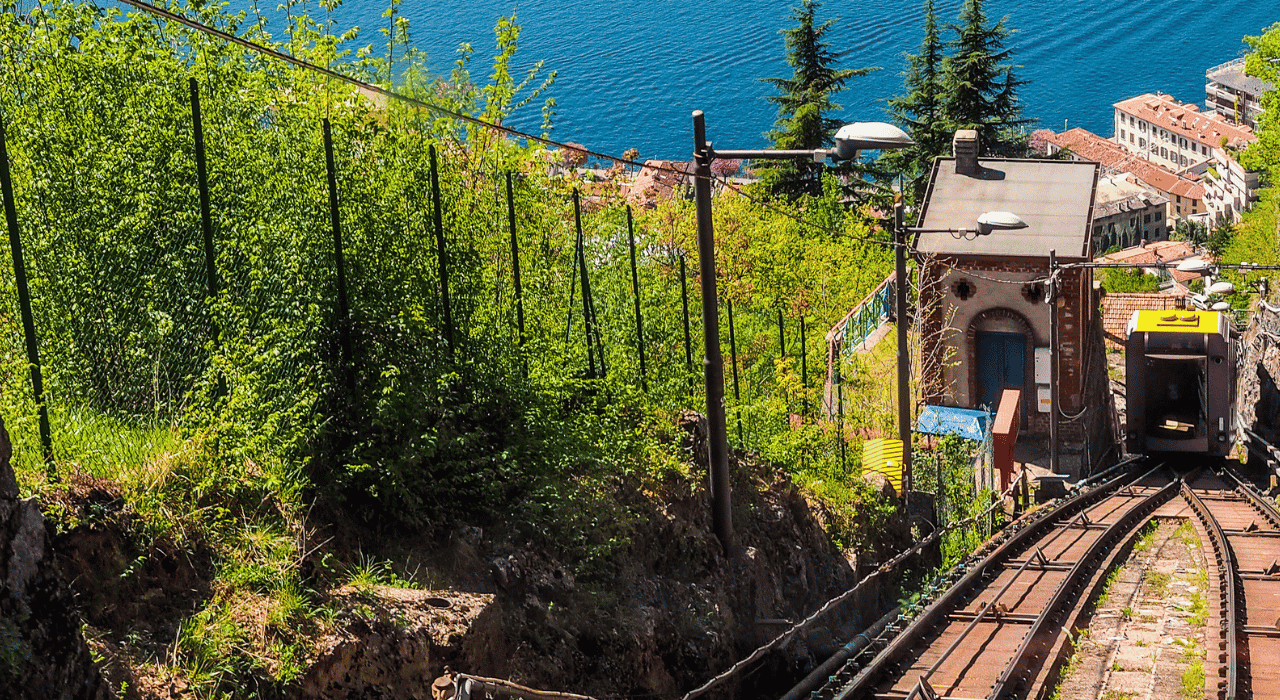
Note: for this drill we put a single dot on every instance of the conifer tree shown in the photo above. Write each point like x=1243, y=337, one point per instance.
x=920, y=110
x=804, y=103
x=980, y=87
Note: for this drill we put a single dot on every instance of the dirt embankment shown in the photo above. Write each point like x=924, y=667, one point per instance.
x=672, y=612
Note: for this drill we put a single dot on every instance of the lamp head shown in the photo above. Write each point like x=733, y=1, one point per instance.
x=868, y=136
x=999, y=221
x=1193, y=265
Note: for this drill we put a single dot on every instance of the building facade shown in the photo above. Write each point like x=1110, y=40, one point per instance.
x=1178, y=136
x=985, y=320
x=1126, y=212
x=1172, y=134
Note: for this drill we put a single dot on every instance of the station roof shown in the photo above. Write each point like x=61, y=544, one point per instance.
x=1054, y=198
x=944, y=420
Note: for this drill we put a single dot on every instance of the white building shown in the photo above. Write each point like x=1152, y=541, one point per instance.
x=1183, y=139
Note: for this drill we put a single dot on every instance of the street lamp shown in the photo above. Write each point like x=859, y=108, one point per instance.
x=850, y=139
x=986, y=223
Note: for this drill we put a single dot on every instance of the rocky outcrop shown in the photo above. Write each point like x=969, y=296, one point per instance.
x=42, y=652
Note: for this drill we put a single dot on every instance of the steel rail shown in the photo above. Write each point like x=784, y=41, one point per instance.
x=977, y=619
x=1228, y=577
x=1012, y=683
x=1040, y=523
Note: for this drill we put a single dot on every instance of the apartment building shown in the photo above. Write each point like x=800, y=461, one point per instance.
x=1183, y=139
x=1172, y=134
x=1229, y=189
x=1234, y=96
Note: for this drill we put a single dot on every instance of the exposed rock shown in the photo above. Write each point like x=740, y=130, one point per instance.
x=392, y=643
x=42, y=652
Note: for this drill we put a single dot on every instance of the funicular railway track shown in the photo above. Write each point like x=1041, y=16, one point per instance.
x=997, y=632
x=1241, y=533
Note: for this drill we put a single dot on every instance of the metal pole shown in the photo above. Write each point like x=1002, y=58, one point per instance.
x=202, y=180
x=335, y=220
x=24, y=307
x=515, y=265
x=804, y=374
x=733, y=355
x=684, y=305
x=586, y=289
x=904, y=359
x=635, y=287
x=442, y=254
x=1053, y=361
x=713, y=363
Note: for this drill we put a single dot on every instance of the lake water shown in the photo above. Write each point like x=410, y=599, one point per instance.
x=630, y=73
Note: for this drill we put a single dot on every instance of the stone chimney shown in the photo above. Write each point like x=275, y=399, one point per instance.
x=965, y=148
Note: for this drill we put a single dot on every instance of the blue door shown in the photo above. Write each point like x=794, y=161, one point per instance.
x=1001, y=364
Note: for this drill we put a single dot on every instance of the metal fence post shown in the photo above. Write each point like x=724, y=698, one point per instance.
x=733, y=354
x=804, y=374
x=515, y=270
x=635, y=287
x=24, y=306
x=684, y=305
x=206, y=213
x=442, y=254
x=587, y=316
x=335, y=220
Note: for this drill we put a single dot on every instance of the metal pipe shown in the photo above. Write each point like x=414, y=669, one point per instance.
x=1054, y=394
x=712, y=362
x=829, y=667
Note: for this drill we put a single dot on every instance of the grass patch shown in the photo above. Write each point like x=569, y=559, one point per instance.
x=1187, y=533
x=1199, y=603
x=1157, y=584
x=1146, y=536
x=1112, y=576
x=1193, y=680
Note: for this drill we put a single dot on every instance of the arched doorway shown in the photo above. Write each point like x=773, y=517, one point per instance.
x=999, y=354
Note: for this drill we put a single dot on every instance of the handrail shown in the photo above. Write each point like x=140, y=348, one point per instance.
x=879, y=295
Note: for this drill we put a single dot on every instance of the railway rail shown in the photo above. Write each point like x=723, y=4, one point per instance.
x=997, y=632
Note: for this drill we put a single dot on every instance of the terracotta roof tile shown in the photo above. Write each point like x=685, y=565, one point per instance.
x=1186, y=120
x=1090, y=146
x=1118, y=308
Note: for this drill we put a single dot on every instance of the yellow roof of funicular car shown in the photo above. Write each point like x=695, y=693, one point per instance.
x=1173, y=321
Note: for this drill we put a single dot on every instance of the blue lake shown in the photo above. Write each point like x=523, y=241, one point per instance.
x=630, y=73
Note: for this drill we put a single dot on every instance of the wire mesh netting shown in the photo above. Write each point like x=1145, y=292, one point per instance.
x=348, y=297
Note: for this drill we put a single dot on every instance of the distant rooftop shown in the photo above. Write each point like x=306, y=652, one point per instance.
x=1185, y=120
x=1054, y=198
x=1120, y=194
x=1090, y=146
x=1232, y=75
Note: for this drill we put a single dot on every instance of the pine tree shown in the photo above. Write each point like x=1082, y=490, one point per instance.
x=804, y=103
x=980, y=87
x=920, y=110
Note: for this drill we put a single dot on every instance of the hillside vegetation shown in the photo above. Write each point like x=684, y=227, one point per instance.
x=261, y=423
